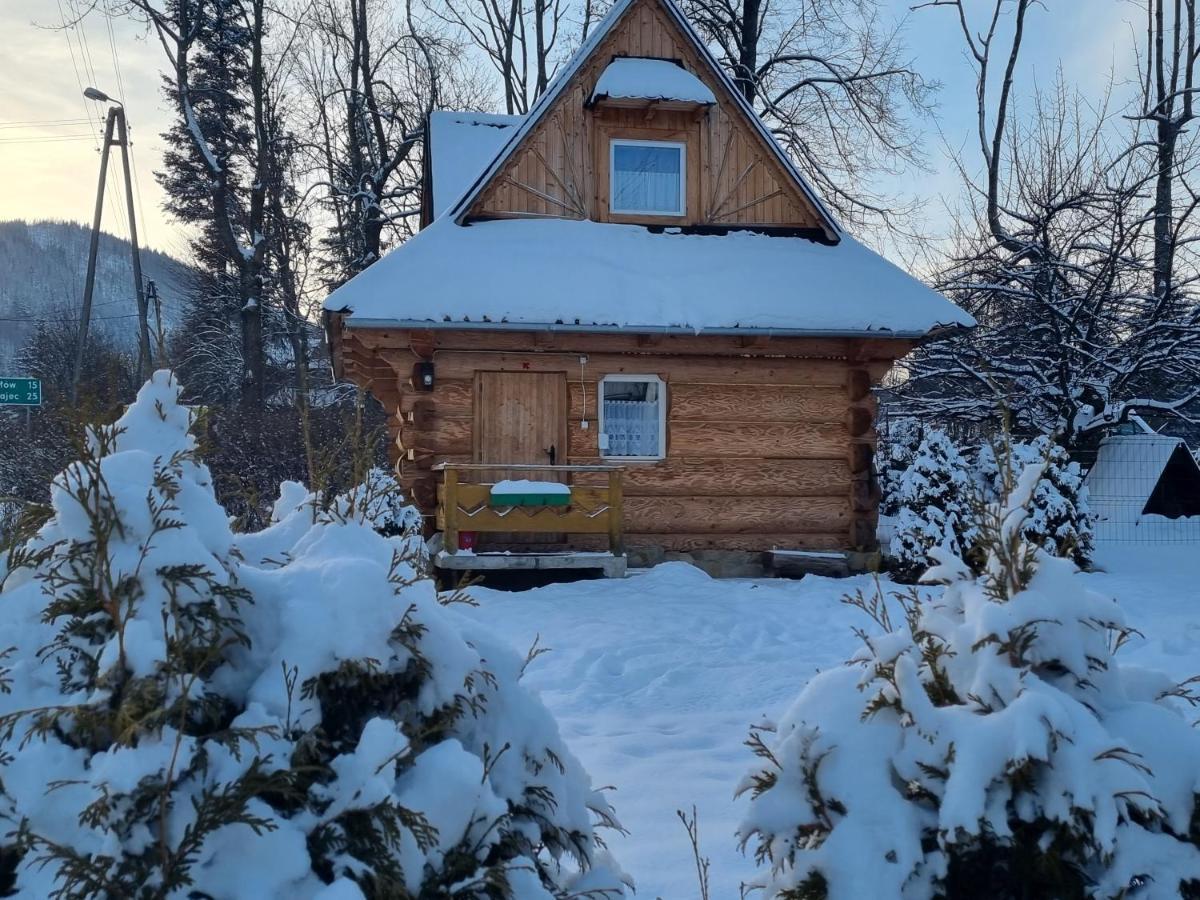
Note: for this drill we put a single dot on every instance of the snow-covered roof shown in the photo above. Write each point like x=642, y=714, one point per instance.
x=583, y=274
x=637, y=78
x=461, y=145
x=1128, y=469
x=560, y=81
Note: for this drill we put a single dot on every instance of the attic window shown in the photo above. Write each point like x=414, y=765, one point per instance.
x=647, y=177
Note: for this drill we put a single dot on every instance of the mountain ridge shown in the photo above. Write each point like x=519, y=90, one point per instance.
x=43, y=265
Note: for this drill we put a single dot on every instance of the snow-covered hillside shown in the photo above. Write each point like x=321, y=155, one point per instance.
x=42, y=268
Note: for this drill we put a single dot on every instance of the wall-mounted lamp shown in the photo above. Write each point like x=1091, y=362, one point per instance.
x=422, y=376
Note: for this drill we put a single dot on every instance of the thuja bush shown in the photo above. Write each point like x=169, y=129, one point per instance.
x=898, y=446
x=934, y=501
x=936, y=498
x=190, y=712
x=1059, y=520
x=985, y=742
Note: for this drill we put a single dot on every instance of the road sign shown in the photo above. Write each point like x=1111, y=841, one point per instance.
x=20, y=391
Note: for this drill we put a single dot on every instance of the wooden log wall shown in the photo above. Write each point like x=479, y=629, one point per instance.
x=769, y=443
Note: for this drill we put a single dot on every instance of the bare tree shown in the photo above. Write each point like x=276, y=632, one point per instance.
x=371, y=74
x=1052, y=259
x=1168, y=64
x=832, y=79
x=980, y=46
x=520, y=41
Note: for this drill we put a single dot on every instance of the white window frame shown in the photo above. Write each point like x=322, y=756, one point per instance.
x=612, y=181
x=662, y=417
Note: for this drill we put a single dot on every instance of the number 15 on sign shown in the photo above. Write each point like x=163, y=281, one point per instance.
x=20, y=391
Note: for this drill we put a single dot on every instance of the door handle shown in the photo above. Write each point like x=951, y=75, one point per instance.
x=552, y=452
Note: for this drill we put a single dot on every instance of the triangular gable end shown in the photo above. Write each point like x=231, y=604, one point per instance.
x=1177, y=492
x=553, y=165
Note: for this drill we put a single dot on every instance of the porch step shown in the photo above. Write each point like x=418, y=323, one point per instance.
x=798, y=563
x=612, y=566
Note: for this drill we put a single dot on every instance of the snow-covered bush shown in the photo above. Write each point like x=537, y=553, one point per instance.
x=380, y=502
x=1059, y=519
x=984, y=744
x=189, y=712
x=935, y=497
x=896, y=451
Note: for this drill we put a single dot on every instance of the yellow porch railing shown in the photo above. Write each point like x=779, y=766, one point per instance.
x=465, y=504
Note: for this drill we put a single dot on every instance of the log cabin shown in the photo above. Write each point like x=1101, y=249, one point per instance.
x=631, y=290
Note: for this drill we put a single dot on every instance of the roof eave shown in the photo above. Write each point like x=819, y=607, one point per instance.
x=946, y=331
x=426, y=325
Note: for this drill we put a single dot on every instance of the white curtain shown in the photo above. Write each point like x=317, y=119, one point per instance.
x=632, y=427
x=646, y=178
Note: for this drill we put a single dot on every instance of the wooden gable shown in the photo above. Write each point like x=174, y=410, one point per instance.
x=560, y=167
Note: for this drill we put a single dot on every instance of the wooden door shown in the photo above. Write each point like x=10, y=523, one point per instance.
x=521, y=418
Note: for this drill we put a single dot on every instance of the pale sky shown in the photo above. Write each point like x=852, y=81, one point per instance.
x=49, y=171
x=50, y=164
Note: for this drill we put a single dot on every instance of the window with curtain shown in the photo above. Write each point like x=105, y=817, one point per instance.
x=632, y=417
x=648, y=177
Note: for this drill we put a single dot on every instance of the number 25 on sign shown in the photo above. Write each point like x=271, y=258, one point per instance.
x=20, y=391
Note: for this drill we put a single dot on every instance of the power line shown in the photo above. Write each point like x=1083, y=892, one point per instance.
x=75, y=65
x=89, y=66
x=116, y=58
x=86, y=58
x=90, y=69
x=49, y=140
x=112, y=46
x=46, y=123
x=48, y=318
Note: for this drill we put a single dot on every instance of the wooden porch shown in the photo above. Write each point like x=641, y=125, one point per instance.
x=468, y=507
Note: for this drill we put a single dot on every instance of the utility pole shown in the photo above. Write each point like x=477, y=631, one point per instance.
x=144, y=358
x=85, y=314
x=160, y=338
x=114, y=123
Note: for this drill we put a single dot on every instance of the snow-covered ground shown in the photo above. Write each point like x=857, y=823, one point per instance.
x=1158, y=586
x=655, y=678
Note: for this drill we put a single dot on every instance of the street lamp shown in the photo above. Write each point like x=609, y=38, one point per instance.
x=96, y=94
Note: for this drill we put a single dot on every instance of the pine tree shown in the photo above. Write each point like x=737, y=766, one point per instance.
x=216, y=122
x=934, y=498
x=983, y=744
x=218, y=165
x=897, y=448
x=186, y=710
x=1059, y=520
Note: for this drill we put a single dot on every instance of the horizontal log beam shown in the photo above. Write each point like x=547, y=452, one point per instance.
x=689, y=542
x=593, y=342
x=462, y=365
x=447, y=437
x=746, y=440
x=737, y=515
x=449, y=397
x=754, y=403
x=730, y=402
x=682, y=477
x=757, y=440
